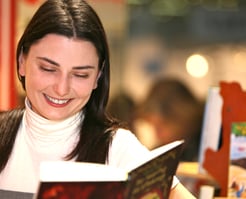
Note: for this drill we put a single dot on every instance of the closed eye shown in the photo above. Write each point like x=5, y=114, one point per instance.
x=81, y=75
x=47, y=69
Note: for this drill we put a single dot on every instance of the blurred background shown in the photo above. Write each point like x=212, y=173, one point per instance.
x=200, y=42
x=165, y=55
x=196, y=42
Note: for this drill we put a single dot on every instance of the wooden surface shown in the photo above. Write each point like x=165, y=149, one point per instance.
x=191, y=170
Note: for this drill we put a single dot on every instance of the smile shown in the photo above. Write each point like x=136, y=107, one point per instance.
x=57, y=101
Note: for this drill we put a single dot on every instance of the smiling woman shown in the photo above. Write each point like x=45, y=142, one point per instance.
x=59, y=82
x=63, y=66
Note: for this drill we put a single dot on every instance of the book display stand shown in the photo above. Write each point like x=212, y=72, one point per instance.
x=217, y=162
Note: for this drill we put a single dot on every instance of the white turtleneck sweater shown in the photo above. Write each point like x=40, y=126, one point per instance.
x=39, y=139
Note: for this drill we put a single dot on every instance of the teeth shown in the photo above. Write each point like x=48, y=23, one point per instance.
x=57, y=101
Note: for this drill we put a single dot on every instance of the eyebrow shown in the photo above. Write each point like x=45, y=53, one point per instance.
x=57, y=64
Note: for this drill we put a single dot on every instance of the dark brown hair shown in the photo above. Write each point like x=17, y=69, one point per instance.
x=77, y=19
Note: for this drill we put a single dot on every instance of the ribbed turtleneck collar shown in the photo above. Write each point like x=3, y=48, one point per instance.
x=42, y=129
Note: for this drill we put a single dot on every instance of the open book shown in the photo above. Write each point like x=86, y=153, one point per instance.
x=150, y=178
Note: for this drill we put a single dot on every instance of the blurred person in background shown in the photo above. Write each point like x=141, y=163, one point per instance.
x=170, y=112
x=121, y=107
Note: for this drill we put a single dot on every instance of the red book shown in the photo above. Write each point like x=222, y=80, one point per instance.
x=148, y=179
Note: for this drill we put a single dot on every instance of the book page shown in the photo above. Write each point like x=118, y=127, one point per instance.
x=154, y=153
x=80, y=171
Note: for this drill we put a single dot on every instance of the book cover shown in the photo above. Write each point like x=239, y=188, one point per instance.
x=150, y=178
x=237, y=172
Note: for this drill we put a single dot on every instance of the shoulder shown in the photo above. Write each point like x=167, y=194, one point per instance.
x=126, y=137
x=9, y=124
x=10, y=120
x=125, y=149
x=123, y=133
x=11, y=114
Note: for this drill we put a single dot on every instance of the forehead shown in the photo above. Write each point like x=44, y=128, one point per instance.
x=62, y=48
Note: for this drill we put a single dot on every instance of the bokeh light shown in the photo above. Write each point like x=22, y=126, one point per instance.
x=197, y=65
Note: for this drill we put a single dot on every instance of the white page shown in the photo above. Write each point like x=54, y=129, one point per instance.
x=155, y=153
x=79, y=171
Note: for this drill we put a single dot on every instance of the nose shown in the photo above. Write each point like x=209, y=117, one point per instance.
x=62, y=85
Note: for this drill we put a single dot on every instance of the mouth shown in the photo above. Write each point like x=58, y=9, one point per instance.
x=57, y=102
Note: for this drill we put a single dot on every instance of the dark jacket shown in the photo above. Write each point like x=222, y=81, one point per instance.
x=9, y=125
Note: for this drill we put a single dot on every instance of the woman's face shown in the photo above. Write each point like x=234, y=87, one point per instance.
x=60, y=75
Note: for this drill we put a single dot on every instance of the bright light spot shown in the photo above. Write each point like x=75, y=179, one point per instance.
x=197, y=65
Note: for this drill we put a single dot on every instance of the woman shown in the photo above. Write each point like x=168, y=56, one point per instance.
x=63, y=65
x=175, y=113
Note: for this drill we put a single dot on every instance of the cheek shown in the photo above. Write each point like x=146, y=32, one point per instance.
x=35, y=80
x=33, y=85
x=84, y=90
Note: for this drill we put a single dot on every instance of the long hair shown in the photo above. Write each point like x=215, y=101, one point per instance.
x=9, y=124
x=77, y=19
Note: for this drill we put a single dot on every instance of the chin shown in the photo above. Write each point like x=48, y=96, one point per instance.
x=56, y=117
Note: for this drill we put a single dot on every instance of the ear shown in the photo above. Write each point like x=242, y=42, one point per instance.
x=22, y=68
